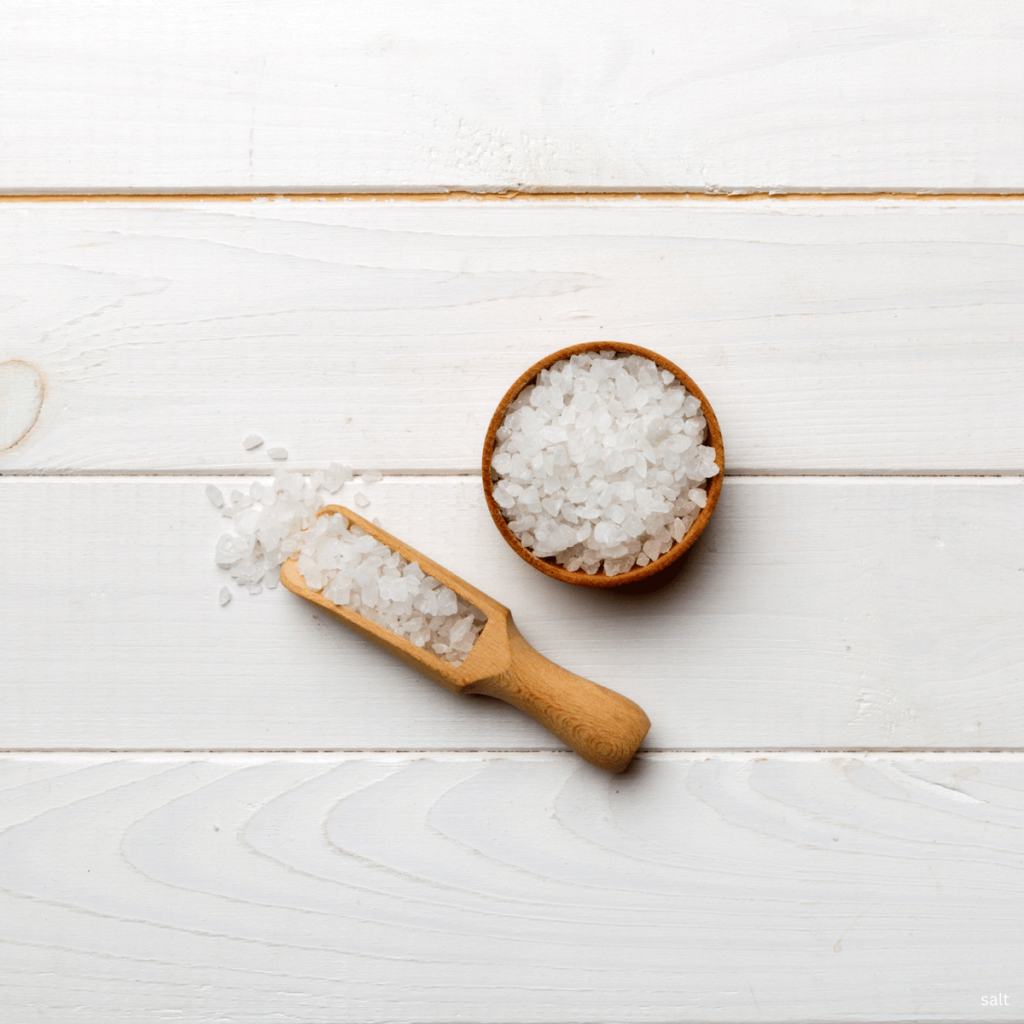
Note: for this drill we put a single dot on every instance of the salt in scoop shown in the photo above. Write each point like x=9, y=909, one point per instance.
x=600, y=725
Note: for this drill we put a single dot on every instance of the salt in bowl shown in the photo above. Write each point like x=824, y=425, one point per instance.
x=580, y=577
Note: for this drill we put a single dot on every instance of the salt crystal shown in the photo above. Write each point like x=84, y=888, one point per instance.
x=215, y=496
x=336, y=476
x=617, y=566
x=599, y=462
x=461, y=628
x=382, y=586
x=224, y=596
x=372, y=477
x=278, y=521
x=280, y=454
x=362, y=500
x=252, y=441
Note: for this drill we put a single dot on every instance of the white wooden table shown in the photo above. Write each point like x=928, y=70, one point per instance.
x=220, y=219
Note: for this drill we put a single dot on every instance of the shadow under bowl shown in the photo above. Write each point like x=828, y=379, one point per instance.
x=579, y=578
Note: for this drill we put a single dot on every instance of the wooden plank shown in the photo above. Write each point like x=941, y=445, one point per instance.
x=398, y=96
x=498, y=888
x=830, y=337
x=813, y=613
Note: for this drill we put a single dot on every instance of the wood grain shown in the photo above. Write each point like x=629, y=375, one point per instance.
x=828, y=337
x=835, y=612
x=21, y=398
x=397, y=96
x=396, y=871
x=510, y=888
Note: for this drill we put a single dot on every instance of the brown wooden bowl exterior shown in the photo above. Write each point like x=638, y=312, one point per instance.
x=549, y=566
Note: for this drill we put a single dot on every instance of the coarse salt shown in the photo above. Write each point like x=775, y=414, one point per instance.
x=355, y=571
x=278, y=520
x=600, y=464
x=336, y=476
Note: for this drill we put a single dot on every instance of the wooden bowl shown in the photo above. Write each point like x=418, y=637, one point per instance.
x=599, y=579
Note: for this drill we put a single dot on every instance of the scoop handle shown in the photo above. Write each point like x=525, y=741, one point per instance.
x=602, y=726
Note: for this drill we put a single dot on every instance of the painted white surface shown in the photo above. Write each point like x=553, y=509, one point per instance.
x=398, y=95
x=505, y=888
x=448, y=880
x=813, y=613
x=829, y=336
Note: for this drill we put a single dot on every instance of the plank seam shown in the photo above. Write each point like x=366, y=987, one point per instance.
x=793, y=753
x=540, y=195
x=204, y=472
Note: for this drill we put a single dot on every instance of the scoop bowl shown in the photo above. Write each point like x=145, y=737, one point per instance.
x=600, y=725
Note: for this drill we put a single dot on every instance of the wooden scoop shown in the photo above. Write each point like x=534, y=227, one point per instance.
x=602, y=726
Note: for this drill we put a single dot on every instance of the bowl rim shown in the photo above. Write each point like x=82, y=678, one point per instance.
x=579, y=577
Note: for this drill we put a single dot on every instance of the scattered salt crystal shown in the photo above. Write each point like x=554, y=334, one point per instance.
x=600, y=462
x=231, y=550
x=224, y=596
x=336, y=476
x=362, y=500
x=372, y=477
x=280, y=454
x=252, y=441
x=215, y=496
x=277, y=520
